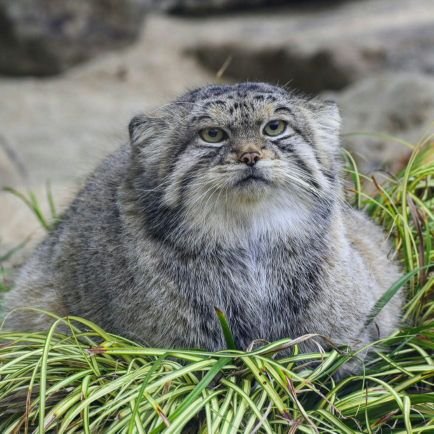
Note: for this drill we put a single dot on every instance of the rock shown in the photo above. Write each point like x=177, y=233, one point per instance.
x=195, y=7
x=389, y=109
x=44, y=37
x=325, y=48
x=309, y=72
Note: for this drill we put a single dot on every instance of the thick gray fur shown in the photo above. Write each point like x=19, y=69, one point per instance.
x=165, y=230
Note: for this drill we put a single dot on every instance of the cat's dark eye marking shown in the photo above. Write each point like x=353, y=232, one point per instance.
x=284, y=146
x=203, y=118
x=284, y=109
x=283, y=138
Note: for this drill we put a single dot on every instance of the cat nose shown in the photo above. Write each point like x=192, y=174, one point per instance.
x=250, y=158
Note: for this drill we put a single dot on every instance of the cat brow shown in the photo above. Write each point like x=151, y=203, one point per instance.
x=202, y=118
x=286, y=109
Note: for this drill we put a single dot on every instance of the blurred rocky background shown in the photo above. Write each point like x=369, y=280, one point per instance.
x=72, y=74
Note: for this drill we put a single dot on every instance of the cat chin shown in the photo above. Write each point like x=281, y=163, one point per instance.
x=250, y=213
x=263, y=196
x=251, y=191
x=248, y=223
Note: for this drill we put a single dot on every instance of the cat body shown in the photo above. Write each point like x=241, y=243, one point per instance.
x=176, y=224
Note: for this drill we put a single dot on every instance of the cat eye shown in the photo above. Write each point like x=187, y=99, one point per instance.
x=274, y=128
x=213, y=135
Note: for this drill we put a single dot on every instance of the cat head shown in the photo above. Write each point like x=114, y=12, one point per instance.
x=238, y=149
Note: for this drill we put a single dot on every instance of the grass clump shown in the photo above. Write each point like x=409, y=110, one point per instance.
x=91, y=381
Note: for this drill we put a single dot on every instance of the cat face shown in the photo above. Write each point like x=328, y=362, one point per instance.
x=239, y=146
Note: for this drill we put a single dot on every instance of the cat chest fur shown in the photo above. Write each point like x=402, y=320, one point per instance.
x=261, y=287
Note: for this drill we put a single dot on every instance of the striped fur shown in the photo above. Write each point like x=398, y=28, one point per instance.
x=170, y=226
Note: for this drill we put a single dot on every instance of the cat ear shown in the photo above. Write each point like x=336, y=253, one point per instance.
x=326, y=120
x=326, y=114
x=143, y=129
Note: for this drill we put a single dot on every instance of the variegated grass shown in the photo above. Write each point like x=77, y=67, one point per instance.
x=93, y=382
